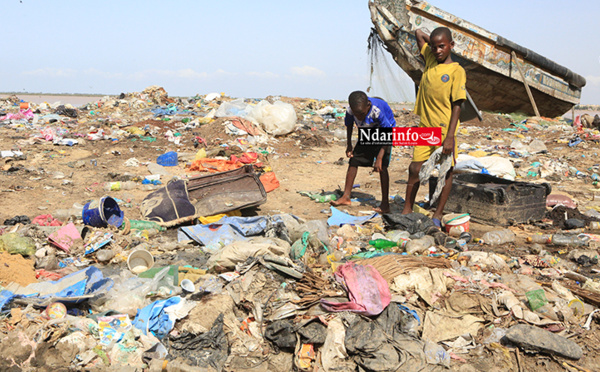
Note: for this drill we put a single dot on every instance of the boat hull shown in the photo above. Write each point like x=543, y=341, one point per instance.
x=493, y=79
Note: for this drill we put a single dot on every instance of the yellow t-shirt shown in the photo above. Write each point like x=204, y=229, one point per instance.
x=441, y=85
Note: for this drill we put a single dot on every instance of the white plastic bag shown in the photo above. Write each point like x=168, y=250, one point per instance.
x=276, y=119
x=495, y=165
x=129, y=293
x=234, y=108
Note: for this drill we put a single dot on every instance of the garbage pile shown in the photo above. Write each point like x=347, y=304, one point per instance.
x=146, y=232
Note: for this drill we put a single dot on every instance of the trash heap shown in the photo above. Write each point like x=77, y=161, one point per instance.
x=164, y=254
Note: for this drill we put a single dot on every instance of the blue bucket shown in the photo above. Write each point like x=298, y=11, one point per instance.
x=100, y=213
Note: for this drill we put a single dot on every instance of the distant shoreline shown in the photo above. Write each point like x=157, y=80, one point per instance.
x=78, y=99
x=54, y=94
x=73, y=99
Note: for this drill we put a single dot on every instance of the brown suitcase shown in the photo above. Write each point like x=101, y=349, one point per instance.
x=226, y=191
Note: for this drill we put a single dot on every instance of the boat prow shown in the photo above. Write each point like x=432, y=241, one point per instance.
x=493, y=77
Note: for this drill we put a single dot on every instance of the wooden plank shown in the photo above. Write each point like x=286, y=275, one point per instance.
x=535, y=109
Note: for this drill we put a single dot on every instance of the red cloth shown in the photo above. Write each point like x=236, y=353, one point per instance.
x=269, y=181
x=48, y=275
x=220, y=165
x=214, y=165
x=368, y=292
x=46, y=220
x=246, y=158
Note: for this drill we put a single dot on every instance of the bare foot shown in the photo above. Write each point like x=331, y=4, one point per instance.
x=405, y=211
x=341, y=201
x=382, y=209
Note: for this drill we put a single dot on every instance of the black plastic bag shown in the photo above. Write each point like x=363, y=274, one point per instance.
x=204, y=350
x=413, y=222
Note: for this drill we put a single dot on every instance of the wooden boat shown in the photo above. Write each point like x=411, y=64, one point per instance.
x=492, y=62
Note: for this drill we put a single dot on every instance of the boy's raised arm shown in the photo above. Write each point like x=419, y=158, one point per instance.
x=422, y=38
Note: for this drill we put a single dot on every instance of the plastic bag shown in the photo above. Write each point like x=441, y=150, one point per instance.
x=269, y=181
x=536, y=298
x=239, y=251
x=15, y=244
x=277, y=119
x=317, y=228
x=494, y=165
x=234, y=108
x=210, y=284
x=129, y=293
x=436, y=354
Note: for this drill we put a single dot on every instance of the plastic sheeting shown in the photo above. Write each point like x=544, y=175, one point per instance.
x=368, y=291
x=225, y=231
x=153, y=318
x=339, y=218
x=73, y=288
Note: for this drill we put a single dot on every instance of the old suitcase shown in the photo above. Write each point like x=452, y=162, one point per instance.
x=226, y=191
x=494, y=200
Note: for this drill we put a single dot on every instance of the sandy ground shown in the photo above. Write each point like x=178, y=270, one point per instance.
x=49, y=178
x=57, y=177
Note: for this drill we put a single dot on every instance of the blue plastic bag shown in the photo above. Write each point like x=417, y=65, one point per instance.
x=168, y=159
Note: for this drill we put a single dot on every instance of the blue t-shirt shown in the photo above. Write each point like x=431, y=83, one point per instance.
x=380, y=115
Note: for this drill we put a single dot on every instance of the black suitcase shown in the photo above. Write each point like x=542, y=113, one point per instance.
x=493, y=200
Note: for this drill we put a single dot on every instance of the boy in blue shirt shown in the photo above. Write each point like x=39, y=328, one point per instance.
x=367, y=112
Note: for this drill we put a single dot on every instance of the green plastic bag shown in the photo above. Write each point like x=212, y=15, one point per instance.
x=536, y=298
x=15, y=244
x=299, y=247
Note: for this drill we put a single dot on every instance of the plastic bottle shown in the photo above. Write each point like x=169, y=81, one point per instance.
x=150, y=187
x=499, y=237
x=420, y=245
x=116, y=186
x=594, y=225
x=382, y=243
x=66, y=214
x=540, y=239
x=572, y=171
x=340, y=133
x=402, y=242
x=104, y=255
x=397, y=234
x=146, y=233
x=325, y=198
x=592, y=213
x=142, y=225
x=568, y=240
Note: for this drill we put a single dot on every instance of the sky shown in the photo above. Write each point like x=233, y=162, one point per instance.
x=253, y=49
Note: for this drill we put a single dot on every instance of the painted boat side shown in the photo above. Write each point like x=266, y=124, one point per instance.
x=493, y=80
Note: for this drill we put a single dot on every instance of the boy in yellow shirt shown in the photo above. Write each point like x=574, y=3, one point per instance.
x=441, y=92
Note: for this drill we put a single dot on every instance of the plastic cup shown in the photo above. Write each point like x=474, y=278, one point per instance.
x=139, y=261
x=188, y=286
